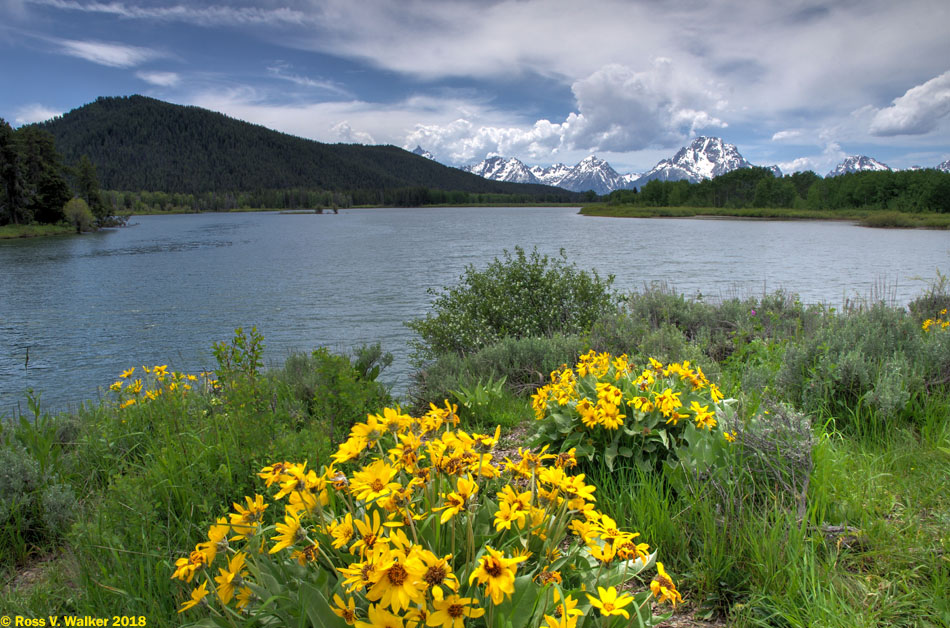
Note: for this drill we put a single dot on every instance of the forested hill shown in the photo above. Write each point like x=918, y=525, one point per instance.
x=139, y=143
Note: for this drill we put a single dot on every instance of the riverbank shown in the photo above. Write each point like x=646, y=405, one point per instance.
x=867, y=218
x=12, y=232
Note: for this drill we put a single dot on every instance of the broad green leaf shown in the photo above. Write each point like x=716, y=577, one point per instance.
x=317, y=608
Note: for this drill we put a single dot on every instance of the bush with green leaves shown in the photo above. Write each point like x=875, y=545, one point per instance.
x=870, y=362
x=336, y=389
x=522, y=295
x=524, y=363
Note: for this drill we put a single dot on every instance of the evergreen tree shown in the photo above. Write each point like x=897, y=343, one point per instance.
x=87, y=188
x=46, y=190
x=13, y=201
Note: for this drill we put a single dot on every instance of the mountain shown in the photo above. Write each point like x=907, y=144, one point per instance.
x=497, y=168
x=945, y=166
x=552, y=175
x=704, y=158
x=418, y=150
x=590, y=174
x=857, y=163
x=139, y=143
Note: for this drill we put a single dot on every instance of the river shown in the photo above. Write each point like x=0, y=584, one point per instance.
x=77, y=310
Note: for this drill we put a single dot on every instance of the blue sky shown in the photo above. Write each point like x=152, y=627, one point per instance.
x=800, y=84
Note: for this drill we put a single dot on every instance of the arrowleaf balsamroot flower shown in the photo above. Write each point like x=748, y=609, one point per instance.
x=609, y=603
x=497, y=573
x=663, y=588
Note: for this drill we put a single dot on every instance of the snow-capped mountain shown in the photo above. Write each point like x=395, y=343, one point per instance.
x=704, y=158
x=592, y=174
x=857, y=163
x=552, y=175
x=498, y=168
x=945, y=166
x=418, y=150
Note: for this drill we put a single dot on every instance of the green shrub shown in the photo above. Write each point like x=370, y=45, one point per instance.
x=866, y=363
x=518, y=296
x=335, y=389
x=524, y=363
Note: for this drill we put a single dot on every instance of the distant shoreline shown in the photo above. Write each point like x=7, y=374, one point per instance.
x=866, y=218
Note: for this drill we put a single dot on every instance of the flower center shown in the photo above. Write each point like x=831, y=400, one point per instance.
x=608, y=607
x=435, y=575
x=377, y=485
x=397, y=574
x=493, y=569
x=456, y=610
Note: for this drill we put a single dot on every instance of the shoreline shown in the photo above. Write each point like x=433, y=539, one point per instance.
x=865, y=218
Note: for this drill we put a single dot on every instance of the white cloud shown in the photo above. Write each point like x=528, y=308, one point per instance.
x=282, y=71
x=108, y=54
x=918, y=111
x=619, y=110
x=345, y=133
x=160, y=79
x=206, y=16
x=785, y=135
x=821, y=163
x=35, y=112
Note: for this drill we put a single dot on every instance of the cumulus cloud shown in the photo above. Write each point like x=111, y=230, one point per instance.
x=345, y=133
x=918, y=111
x=108, y=54
x=35, y=112
x=619, y=110
x=160, y=79
x=831, y=156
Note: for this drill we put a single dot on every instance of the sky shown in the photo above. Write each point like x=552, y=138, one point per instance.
x=799, y=84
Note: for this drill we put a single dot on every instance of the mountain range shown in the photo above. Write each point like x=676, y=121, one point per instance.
x=704, y=158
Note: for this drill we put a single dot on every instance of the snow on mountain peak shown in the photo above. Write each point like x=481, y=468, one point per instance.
x=418, y=150
x=858, y=163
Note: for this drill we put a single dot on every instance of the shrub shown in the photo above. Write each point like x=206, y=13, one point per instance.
x=335, y=389
x=603, y=409
x=877, y=358
x=519, y=296
x=524, y=363
x=438, y=533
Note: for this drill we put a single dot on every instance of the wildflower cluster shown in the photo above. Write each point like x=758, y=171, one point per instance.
x=604, y=404
x=939, y=324
x=417, y=523
x=130, y=389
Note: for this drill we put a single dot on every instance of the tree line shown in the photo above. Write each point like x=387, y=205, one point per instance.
x=906, y=190
x=37, y=186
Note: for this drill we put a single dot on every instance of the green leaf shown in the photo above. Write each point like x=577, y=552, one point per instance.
x=317, y=608
x=517, y=611
x=610, y=454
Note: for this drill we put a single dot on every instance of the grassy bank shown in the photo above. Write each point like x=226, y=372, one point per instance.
x=868, y=218
x=8, y=232
x=829, y=509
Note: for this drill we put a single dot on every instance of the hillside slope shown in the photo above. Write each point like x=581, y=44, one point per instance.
x=139, y=143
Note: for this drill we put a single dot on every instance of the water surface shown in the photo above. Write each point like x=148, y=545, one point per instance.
x=163, y=290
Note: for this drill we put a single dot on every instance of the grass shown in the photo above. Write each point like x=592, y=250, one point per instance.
x=869, y=548
x=9, y=232
x=867, y=218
